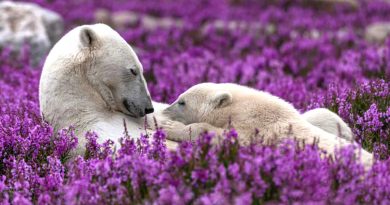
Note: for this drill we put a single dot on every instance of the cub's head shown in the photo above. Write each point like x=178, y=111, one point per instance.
x=204, y=102
x=104, y=59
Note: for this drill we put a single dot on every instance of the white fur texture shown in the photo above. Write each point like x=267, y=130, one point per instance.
x=329, y=121
x=253, y=113
x=80, y=81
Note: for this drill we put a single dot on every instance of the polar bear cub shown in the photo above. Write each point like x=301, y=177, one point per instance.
x=214, y=107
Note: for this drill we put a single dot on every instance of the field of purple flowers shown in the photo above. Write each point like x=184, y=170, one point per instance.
x=310, y=53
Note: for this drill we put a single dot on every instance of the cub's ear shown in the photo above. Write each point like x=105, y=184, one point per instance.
x=88, y=37
x=222, y=99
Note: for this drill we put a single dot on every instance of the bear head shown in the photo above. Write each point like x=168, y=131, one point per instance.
x=201, y=103
x=102, y=59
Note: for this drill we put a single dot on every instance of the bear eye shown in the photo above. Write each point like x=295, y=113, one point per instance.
x=133, y=71
x=182, y=103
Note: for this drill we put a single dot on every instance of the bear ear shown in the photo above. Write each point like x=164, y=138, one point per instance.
x=222, y=99
x=88, y=37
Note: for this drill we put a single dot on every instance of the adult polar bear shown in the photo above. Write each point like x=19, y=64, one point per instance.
x=92, y=79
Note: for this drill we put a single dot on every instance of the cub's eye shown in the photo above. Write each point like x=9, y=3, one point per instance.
x=133, y=71
x=181, y=103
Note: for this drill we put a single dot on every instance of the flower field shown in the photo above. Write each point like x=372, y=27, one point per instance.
x=310, y=53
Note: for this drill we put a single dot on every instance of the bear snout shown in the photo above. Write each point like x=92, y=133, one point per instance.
x=166, y=111
x=132, y=109
x=127, y=105
x=149, y=110
x=137, y=111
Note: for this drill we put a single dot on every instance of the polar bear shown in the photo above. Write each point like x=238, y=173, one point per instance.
x=214, y=107
x=93, y=80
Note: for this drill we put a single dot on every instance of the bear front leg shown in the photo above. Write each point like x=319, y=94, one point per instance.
x=177, y=131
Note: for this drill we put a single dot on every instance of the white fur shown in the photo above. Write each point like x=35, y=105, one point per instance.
x=76, y=85
x=202, y=108
x=329, y=121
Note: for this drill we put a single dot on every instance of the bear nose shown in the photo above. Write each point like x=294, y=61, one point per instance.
x=149, y=110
